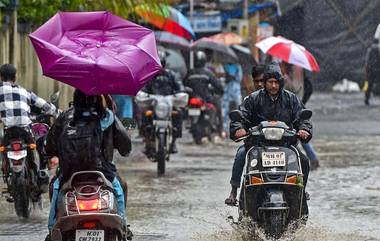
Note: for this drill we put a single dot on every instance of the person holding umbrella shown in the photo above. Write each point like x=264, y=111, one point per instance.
x=99, y=54
x=232, y=92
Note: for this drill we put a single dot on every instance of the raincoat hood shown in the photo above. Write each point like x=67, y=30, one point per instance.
x=273, y=70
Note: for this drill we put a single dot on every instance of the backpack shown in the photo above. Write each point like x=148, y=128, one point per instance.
x=80, y=147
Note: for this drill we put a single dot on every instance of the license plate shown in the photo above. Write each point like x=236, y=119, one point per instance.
x=161, y=123
x=89, y=235
x=16, y=155
x=273, y=159
x=194, y=112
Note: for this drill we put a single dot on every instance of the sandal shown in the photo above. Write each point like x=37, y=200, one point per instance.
x=230, y=201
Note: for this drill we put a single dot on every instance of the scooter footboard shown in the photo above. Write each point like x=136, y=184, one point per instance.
x=104, y=221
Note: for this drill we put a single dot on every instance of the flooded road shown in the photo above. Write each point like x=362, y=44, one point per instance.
x=188, y=203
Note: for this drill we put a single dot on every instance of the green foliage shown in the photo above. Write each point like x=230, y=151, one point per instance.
x=38, y=11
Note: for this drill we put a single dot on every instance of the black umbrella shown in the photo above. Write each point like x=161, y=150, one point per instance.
x=208, y=43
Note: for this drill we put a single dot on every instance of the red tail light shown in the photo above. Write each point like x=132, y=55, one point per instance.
x=195, y=102
x=16, y=146
x=89, y=225
x=88, y=205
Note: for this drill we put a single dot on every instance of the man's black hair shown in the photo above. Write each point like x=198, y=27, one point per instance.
x=8, y=72
x=257, y=70
x=87, y=103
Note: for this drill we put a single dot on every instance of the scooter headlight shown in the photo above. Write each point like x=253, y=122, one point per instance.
x=162, y=110
x=273, y=134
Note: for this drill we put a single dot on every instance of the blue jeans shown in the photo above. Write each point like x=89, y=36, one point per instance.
x=237, y=169
x=310, y=152
x=58, y=195
x=232, y=93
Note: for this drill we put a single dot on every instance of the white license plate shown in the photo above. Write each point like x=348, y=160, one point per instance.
x=89, y=235
x=161, y=123
x=194, y=112
x=273, y=159
x=16, y=155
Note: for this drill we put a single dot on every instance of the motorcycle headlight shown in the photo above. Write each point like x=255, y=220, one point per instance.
x=273, y=134
x=162, y=110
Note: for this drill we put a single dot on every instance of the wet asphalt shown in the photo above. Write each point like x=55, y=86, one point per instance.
x=188, y=203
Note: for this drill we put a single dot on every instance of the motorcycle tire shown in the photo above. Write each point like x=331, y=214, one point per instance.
x=275, y=225
x=161, y=154
x=196, y=132
x=20, y=196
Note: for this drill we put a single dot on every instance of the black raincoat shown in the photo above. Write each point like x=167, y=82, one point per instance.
x=260, y=106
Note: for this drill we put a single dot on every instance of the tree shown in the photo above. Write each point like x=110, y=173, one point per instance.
x=37, y=12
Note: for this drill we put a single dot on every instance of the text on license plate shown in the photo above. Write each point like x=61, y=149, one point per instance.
x=194, y=112
x=89, y=235
x=273, y=159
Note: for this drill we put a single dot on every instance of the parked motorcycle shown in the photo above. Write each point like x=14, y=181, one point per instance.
x=159, y=112
x=202, y=117
x=272, y=192
x=88, y=210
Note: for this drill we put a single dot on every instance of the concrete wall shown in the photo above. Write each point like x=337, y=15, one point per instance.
x=29, y=72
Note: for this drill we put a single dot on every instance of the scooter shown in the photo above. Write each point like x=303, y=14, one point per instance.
x=88, y=210
x=272, y=191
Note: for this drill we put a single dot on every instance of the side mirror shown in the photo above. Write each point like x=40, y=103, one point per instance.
x=55, y=97
x=188, y=90
x=235, y=115
x=306, y=114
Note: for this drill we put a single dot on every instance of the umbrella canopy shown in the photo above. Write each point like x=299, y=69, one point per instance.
x=96, y=52
x=208, y=43
x=245, y=58
x=288, y=51
x=167, y=18
x=172, y=41
x=227, y=38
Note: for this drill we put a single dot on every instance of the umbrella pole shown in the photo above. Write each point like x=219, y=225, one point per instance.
x=191, y=42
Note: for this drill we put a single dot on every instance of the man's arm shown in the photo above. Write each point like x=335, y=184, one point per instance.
x=246, y=109
x=215, y=82
x=52, y=138
x=40, y=103
x=300, y=125
x=121, y=139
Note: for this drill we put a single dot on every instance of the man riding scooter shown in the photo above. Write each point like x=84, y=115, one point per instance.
x=15, y=111
x=272, y=103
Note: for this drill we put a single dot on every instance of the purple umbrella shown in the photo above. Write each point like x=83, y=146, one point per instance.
x=97, y=52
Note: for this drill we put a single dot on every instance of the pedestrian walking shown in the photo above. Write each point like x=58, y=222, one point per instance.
x=232, y=92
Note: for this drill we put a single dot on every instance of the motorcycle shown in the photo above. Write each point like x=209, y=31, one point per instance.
x=88, y=210
x=21, y=170
x=272, y=190
x=21, y=150
x=202, y=118
x=160, y=127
